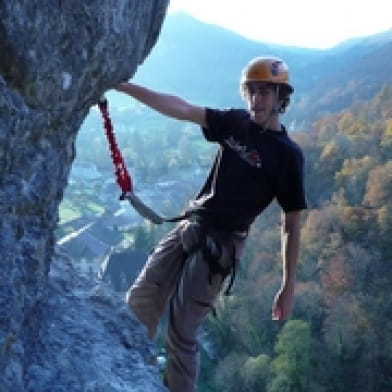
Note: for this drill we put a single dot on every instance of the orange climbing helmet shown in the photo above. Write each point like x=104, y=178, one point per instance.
x=267, y=69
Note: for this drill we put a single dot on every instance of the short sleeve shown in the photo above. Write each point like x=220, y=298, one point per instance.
x=291, y=190
x=222, y=123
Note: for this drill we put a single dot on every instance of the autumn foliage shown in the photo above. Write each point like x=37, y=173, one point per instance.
x=340, y=332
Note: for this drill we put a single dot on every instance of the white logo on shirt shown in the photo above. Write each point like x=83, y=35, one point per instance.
x=250, y=156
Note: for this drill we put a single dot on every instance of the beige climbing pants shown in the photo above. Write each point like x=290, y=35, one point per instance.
x=178, y=272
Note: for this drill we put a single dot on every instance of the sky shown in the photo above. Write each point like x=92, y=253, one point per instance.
x=303, y=23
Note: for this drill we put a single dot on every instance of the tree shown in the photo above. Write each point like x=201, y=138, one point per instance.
x=255, y=372
x=353, y=176
x=292, y=365
x=385, y=224
x=227, y=373
x=379, y=186
x=144, y=237
x=309, y=303
x=386, y=138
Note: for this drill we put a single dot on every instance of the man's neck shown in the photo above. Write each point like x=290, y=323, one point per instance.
x=273, y=124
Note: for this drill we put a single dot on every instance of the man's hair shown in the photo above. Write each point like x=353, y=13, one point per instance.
x=284, y=97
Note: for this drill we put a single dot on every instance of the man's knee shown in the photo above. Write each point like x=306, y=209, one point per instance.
x=144, y=311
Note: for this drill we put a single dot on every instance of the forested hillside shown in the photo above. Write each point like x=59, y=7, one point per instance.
x=339, y=335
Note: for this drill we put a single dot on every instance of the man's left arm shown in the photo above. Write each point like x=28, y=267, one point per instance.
x=290, y=238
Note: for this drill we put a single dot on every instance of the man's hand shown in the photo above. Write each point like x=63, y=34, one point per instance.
x=283, y=302
x=290, y=235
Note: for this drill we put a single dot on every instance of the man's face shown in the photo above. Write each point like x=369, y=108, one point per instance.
x=261, y=100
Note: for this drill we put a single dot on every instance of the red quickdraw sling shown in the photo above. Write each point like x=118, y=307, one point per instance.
x=123, y=177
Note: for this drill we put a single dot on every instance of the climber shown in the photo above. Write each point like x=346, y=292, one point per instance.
x=257, y=162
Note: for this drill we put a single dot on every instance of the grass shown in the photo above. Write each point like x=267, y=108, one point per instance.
x=67, y=213
x=95, y=208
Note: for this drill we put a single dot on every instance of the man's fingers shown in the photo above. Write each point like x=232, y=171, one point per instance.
x=276, y=313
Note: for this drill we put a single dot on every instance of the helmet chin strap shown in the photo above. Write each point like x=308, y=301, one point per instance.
x=276, y=108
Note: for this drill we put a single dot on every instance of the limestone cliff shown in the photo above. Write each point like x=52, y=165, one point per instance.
x=59, y=332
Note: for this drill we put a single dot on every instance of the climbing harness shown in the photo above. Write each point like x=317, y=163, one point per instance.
x=123, y=177
x=212, y=252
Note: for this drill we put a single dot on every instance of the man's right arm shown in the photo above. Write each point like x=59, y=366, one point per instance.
x=166, y=104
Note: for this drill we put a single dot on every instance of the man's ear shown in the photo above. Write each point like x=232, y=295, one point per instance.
x=277, y=107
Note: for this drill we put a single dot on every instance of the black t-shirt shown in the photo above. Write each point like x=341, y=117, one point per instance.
x=252, y=167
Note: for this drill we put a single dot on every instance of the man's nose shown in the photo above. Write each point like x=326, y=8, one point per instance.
x=257, y=96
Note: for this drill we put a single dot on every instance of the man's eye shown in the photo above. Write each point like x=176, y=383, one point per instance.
x=261, y=91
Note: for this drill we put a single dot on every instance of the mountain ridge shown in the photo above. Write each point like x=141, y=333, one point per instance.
x=207, y=70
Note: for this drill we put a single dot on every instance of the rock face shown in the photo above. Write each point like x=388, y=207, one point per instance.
x=88, y=340
x=57, y=58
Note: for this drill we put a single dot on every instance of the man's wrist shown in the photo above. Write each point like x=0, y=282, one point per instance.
x=288, y=282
